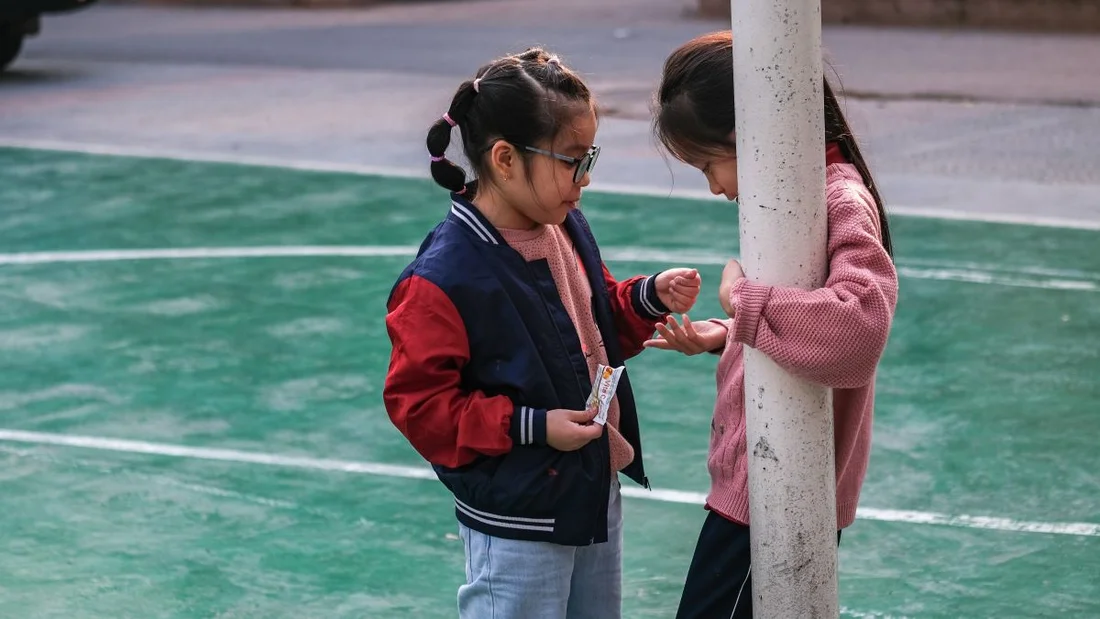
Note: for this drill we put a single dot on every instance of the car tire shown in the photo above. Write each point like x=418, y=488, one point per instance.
x=10, y=45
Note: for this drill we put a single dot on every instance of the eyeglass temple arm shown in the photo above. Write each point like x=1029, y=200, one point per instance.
x=565, y=158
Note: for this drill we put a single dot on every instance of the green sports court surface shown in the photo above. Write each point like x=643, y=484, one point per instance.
x=191, y=367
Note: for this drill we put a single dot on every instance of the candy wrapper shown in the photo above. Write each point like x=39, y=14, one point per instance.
x=603, y=390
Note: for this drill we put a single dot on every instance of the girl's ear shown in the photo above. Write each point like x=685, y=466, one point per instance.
x=503, y=159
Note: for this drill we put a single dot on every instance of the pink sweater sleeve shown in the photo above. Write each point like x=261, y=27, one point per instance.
x=834, y=335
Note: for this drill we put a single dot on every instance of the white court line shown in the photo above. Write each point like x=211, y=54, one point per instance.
x=972, y=273
x=404, y=172
x=176, y=154
x=222, y=455
x=198, y=253
x=1084, y=529
x=858, y=614
x=1024, y=277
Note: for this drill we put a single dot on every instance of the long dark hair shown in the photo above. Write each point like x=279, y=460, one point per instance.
x=523, y=99
x=694, y=118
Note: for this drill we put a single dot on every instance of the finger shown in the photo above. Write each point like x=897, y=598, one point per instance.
x=685, y=290
x=684, y=298
x=673, y=341
x=661, y=344
x=690, y=278
x=697, y=343
x=581, y=417
x=689, y=329
x=669, y=333
x=689, y=285
x=674, y=327
x=590, y=431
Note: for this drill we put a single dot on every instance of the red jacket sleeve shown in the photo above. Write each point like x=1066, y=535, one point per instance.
x=423, y=393
x=636, y=309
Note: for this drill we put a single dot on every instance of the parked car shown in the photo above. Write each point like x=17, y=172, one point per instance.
x=20, y=19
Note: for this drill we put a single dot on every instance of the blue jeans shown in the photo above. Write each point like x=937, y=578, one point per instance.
x=512, y=579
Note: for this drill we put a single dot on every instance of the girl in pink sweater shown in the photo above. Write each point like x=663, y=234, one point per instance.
x=833, y=336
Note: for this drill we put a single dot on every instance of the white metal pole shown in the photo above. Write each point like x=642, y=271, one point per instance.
x=781, y=173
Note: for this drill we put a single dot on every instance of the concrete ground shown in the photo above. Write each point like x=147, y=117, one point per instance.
x=1002, y=125
x=187, y=379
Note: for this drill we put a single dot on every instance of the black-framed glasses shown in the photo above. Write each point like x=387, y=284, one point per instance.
x=584, y=164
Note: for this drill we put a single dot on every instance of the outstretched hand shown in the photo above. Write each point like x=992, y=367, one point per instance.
x=678, y=289
x=691, y=338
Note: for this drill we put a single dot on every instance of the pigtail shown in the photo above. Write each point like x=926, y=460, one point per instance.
x=837, y=129
x=444, y=171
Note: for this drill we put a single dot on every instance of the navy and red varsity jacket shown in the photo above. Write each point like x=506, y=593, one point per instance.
x=482, y=348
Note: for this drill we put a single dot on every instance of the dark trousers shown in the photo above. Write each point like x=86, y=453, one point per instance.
x=719, y=581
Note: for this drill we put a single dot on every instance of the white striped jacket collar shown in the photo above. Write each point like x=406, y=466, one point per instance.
x=465, y=213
